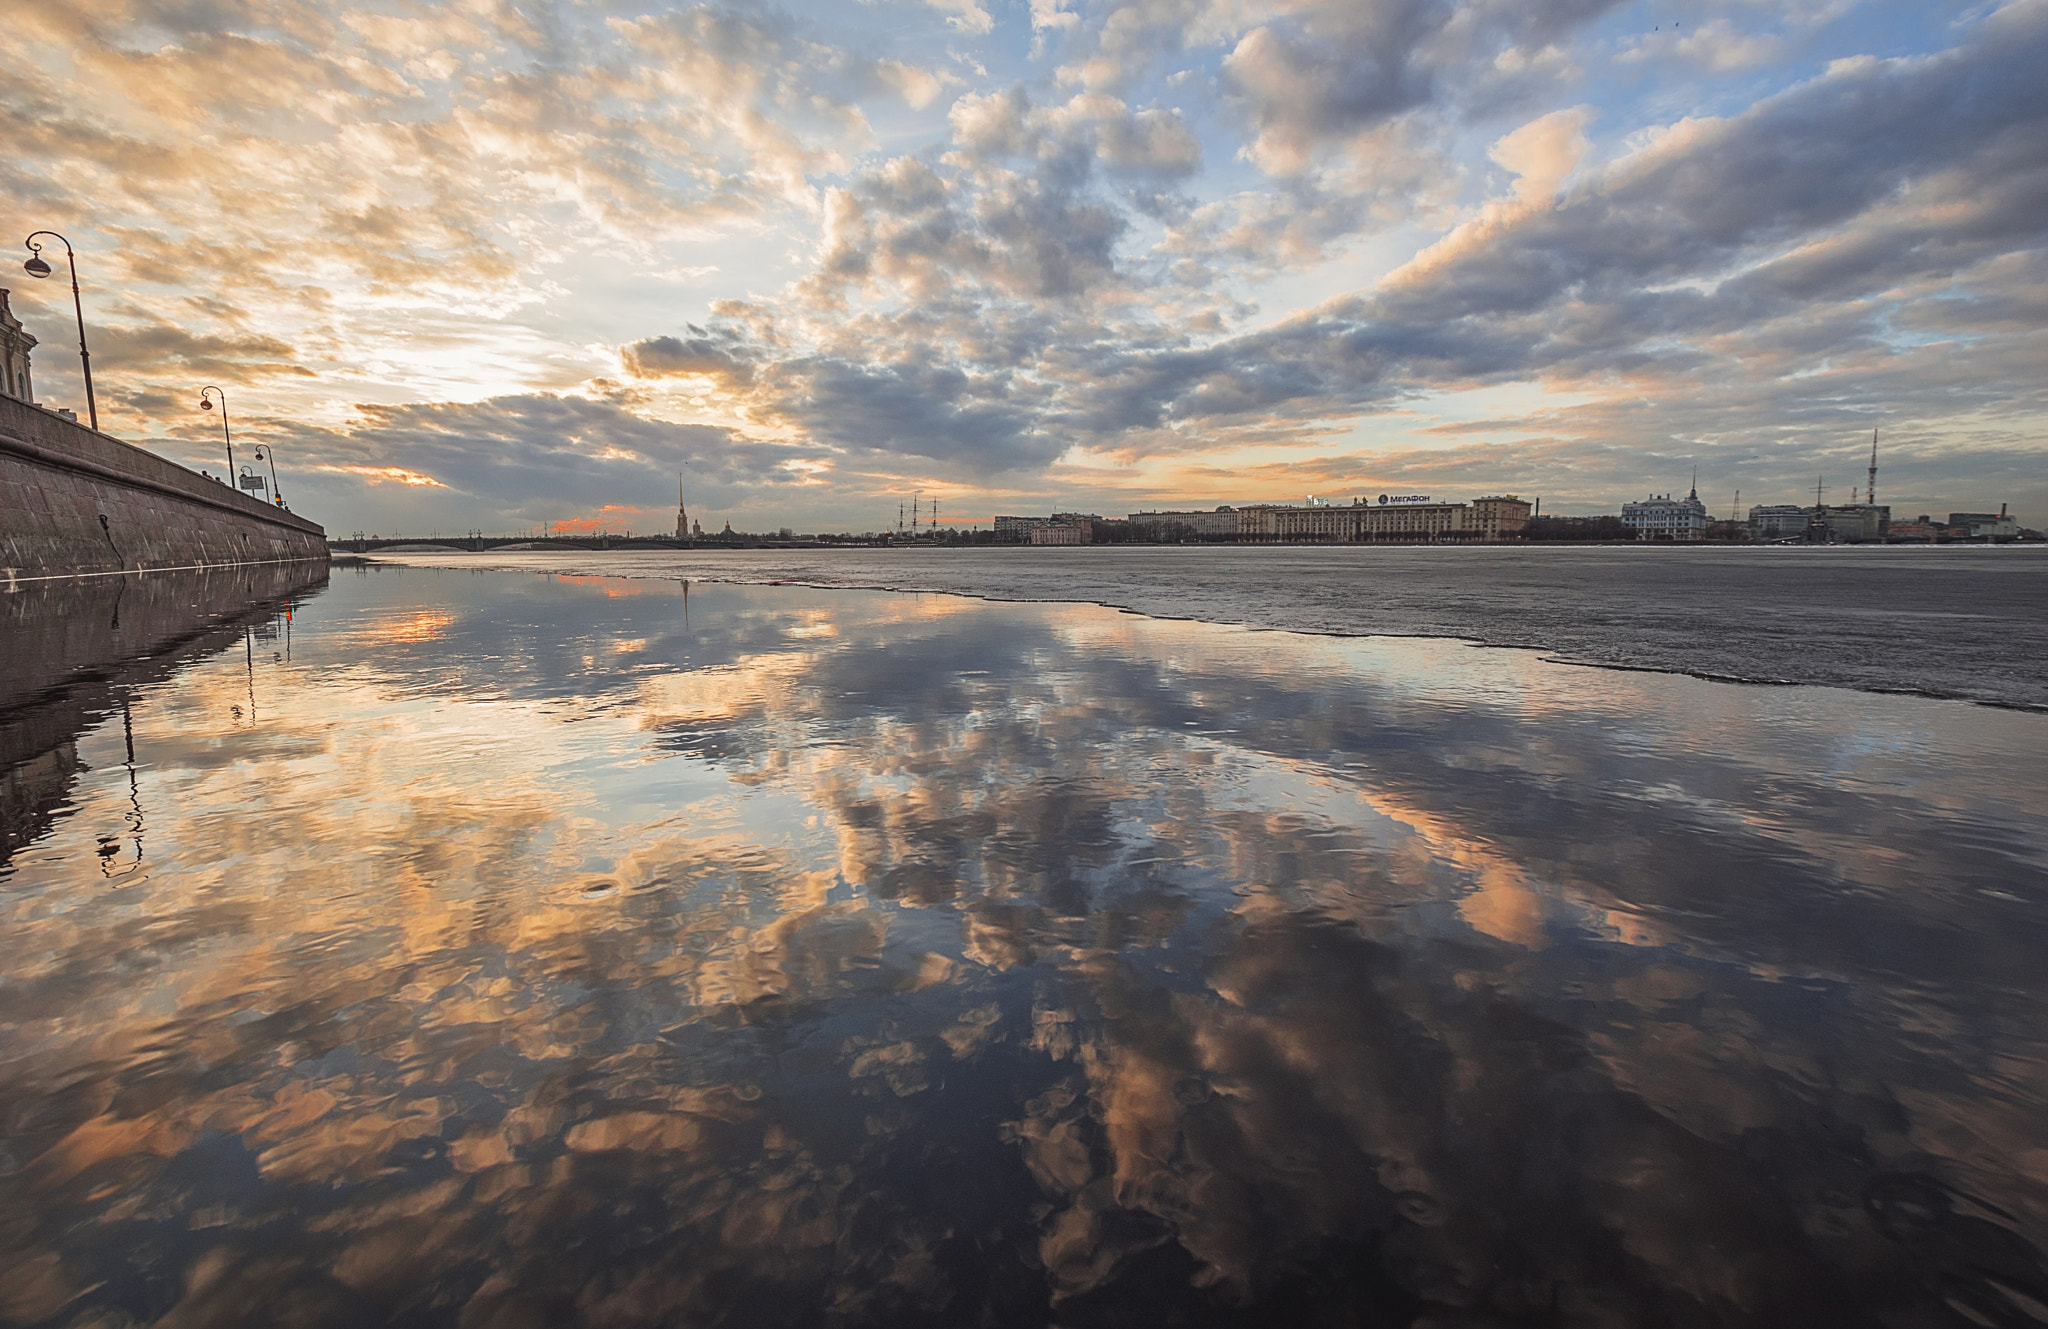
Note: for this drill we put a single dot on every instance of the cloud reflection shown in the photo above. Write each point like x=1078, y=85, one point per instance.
x=850, y=958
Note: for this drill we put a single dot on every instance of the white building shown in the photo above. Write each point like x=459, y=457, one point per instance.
x=1667, y=518
x=1058, y=534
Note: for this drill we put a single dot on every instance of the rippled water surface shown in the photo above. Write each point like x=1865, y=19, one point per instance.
x=491, y=949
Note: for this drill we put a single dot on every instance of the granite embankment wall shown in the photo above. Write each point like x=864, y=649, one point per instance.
x=74, y=503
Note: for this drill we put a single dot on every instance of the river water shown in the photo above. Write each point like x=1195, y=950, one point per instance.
x=467, y=948
x=1966, y=621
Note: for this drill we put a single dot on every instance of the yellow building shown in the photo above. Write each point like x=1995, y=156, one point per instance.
x=1499, y=515
x=1359, y=522
x=1390, y=520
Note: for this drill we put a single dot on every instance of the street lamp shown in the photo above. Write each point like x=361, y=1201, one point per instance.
x=207, y=405
x=36, y=267
x=270, y=455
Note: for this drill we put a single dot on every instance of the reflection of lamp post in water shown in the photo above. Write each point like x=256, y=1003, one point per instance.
x=270, y=455
x=36, y=267
x=110, y=846
x=249, y=663
x=207, y=405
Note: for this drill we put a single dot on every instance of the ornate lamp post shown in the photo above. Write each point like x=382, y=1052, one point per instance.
x=270, y=455
x=207, y=405
x=36, y=267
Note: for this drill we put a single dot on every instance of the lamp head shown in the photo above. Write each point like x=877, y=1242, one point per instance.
x=206, y=403
x=36, y=267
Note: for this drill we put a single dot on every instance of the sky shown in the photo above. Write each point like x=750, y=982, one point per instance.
x=501, y=266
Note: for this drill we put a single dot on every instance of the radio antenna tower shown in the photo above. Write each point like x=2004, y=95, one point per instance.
x=1735, y=512
x=1870, y=490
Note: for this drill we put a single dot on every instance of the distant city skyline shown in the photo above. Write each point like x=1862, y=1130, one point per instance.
x=478, y=267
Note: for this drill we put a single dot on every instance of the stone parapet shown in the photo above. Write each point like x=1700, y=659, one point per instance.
x=76, y=502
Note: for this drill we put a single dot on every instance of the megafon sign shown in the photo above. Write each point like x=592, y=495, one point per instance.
x=1386, y=499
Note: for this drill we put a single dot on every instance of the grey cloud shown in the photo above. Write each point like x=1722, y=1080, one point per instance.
x=1816, y=157
x=979, y=424
x=1152, y=143
x=561, y=446
x=1042, y=233
x=1345, y=66
x=1048, y=242
x=1042, y=229
x=1751, y=271
x=1309, y=75
x=720, y=353
x=510, y=461
x=1597, y=280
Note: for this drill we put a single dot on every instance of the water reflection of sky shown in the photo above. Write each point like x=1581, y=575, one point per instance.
x=548, y=952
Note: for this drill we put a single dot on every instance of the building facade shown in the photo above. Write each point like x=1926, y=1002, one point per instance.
x=15, y=344
x=1983, y=525
x=1499, y=516
x=1778, y=521
x=1375, y=523
x=1667, y=518
x=1019, y=529
x=1219, y=522
x=1358, y=522
x=1058, y=534
x=1853, y=523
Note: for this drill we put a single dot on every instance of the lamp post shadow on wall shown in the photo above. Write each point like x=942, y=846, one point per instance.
x=206, y=405
x=37, y=267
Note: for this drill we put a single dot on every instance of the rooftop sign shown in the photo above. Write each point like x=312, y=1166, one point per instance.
x=1403, y=498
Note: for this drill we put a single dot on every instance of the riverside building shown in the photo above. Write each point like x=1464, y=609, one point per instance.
x=1778, y=521
x=1983, y=525
x=1058, y=534
x=1852, y=523
x=1019, y=529
x=1667, y=518
x=1408, y=518
x=1499, y=516
x=1220, y=522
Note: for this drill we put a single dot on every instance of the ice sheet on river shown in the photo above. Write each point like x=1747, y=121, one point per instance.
x=1967, y=622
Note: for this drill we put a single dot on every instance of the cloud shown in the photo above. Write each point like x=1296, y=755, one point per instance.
x=1142, y=240
x=722, y=355
x=965, y=15
x=1330, y=78
x=1019, y=207
x=1698, y=254
x=1716, y=45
